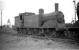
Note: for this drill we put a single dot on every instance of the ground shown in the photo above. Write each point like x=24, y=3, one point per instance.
x=14, y=42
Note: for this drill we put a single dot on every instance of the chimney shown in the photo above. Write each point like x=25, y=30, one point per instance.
x=56, y=7
x=41, y=11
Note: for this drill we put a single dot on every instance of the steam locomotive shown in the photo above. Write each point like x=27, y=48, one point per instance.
x=50, y=25
x=41, y=24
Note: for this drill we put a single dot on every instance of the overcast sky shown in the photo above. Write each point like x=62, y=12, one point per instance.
x=13, y=7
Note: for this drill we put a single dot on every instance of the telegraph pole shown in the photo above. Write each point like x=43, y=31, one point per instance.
x=1, y=18
x=1, y=10
x=75, y=8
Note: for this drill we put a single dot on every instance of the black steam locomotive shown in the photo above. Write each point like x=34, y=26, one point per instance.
x=50, y=25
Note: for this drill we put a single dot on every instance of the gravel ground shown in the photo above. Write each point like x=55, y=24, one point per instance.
x=9, y=42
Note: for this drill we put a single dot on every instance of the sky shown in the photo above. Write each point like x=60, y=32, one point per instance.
x=11, y=8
